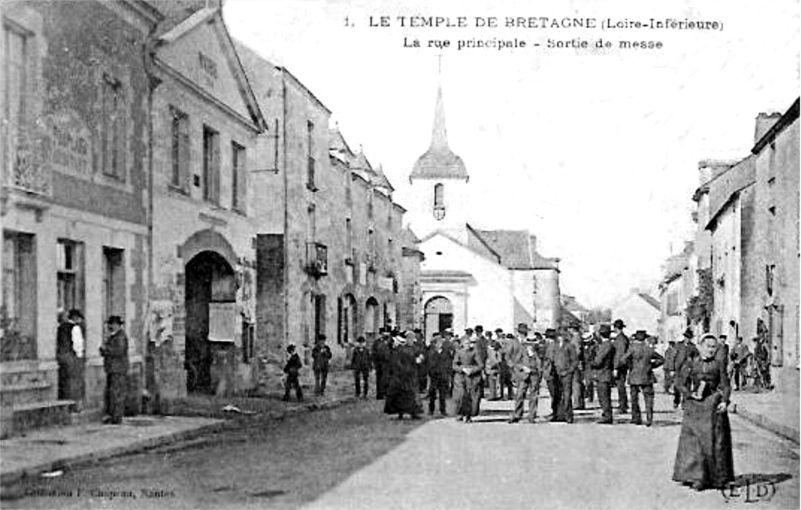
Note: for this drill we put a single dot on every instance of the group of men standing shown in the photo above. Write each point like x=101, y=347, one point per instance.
x=70, y=355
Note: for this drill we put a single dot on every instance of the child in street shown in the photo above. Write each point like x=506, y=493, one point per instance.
x=292, y=371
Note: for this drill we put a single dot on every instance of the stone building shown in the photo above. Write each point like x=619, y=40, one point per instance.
x=675, y=291
x=204, y=125
x=469, y=276
x=776, y=228
x=330, y=245
x=74, y=201
x=638, y=310
x=731, y=209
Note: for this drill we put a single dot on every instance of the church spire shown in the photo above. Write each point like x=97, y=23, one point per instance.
x=439, y=134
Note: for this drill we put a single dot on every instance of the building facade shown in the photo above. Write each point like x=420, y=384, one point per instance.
x=469, y=276
x=204, y=126
x=638, y=310
x=74, y=201
x=776, y=228
x=330, y=248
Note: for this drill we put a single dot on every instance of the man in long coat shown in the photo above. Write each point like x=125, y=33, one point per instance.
x=685, y=352
x=621, y=346
x=669, y=366
x=528, y=374
x=70, y=357
x=467, y=369
x=642, y=359
x=547, y=354
x=603, y=364
x=565, y=361
x=381, y=352
x=115, y=362
x=440, y=367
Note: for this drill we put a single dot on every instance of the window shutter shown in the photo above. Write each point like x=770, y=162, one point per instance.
x=215, y=169
x=183, y=154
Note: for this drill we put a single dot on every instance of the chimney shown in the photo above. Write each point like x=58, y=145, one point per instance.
x=765, y=121
x=708, y=169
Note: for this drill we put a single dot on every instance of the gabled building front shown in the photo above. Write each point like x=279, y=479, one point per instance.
x=205, y=124
x=469, y=276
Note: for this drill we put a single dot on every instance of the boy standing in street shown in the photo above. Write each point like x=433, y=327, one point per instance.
x=292, y=371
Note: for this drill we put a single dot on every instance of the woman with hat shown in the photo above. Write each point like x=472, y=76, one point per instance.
x=704, y=454
x=402, y=387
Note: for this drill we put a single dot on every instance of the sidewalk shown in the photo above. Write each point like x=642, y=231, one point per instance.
x=52, y=449
x=776, y=412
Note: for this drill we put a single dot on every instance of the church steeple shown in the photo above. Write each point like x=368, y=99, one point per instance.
x=439, y=133
x=439, y=161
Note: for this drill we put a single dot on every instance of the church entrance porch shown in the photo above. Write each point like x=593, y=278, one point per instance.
x=210, y=300
x=438, y=315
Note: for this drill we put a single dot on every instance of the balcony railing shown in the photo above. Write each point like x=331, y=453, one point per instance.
x=316, y=259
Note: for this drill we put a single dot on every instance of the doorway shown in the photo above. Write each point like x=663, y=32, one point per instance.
x=438, y=315
x=210, y=289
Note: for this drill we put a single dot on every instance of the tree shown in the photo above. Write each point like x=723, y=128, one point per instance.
x=700, y=307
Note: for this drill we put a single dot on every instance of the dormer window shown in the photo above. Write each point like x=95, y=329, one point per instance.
x=439, y=201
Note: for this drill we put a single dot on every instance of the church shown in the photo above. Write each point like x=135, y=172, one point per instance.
x=469, y=276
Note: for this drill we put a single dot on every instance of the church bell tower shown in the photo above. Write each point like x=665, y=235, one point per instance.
x=439, y=185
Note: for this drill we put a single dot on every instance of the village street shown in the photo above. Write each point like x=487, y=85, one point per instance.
x=354, y=456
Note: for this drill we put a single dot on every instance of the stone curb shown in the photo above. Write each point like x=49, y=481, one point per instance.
x=13, y=477
x=767, y=424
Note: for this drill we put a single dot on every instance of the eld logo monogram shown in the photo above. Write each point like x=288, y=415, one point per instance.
x=751, y=492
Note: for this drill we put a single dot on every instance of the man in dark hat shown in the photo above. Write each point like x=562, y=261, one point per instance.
x=685, y=351
x=70, y=357
x=603, y=366
x=621, y=342
x=321, y=356
x=381, y=352
x=565, y=362
x=669, y=366
x=528, y=373
x=642, y=359
x=292, y=371
x=114, y=350
x=548, y=350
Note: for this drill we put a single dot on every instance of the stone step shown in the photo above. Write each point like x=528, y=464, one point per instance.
x=36, y=415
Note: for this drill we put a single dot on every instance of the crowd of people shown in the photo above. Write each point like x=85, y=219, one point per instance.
x=576, y=368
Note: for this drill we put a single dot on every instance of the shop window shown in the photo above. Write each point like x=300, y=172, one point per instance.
x=70, y=275
x=18, y=309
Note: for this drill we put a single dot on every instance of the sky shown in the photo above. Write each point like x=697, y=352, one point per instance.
x=594, y=151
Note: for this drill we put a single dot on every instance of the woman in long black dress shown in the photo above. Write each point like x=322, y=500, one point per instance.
x=704, y=455
x=402, y=389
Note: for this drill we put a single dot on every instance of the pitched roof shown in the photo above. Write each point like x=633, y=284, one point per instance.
x=728, y=185
x=649, y=299
x=516, y=249
x=381, y=180
x=439, y=161
x=178, y=22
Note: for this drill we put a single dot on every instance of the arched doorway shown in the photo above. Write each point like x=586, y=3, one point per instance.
x=210, y=297
x=372, y=318
x=438, y=315
x=347, y=319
